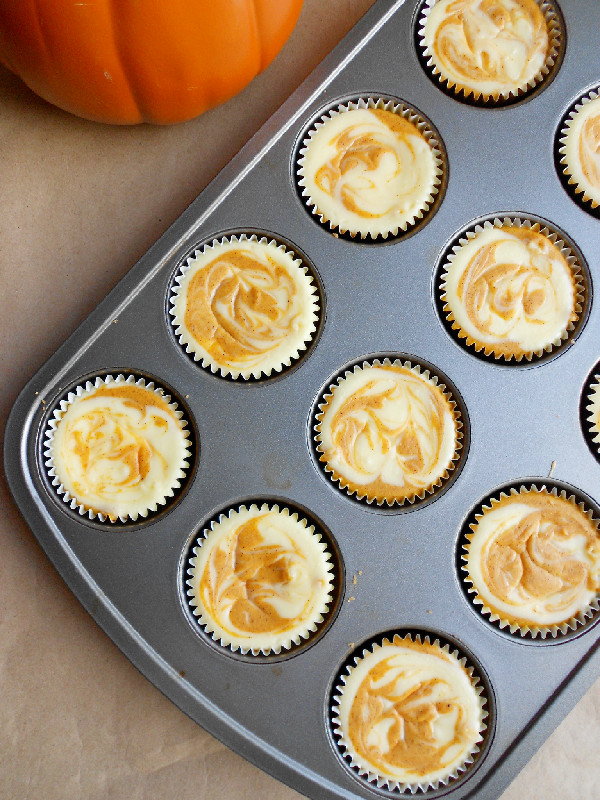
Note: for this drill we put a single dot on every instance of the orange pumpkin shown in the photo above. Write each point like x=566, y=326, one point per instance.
x=129, y=61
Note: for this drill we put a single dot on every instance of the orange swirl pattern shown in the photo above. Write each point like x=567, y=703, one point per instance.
x=391, y=434
x=240, y=308
x=112, y=453
x=535, y=559
x=395, y=700
x=351, y=178
x=493, y=45
x=119, y=450
x=589, y=150
x=242, y=583
x=503, y=299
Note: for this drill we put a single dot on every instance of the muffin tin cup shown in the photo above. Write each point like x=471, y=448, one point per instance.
x=364, y=493
x=374, y=230
x=143, y=509
x=520, y=91
x=523, y=627
x=494, y=351
x=358, y=666
x=270, y=342
x=247, y=583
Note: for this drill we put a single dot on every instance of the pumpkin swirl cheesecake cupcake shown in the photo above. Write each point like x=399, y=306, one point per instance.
x=245, y=307
x=260, y=579
x=512, y=289
x=489, y=51
x=388, y=432
x=532, y=561
x=117, y=448
x=580, y=150
x=371, y=168
x=409, y=714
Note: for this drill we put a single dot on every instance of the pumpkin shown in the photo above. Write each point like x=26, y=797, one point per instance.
x=130, y=61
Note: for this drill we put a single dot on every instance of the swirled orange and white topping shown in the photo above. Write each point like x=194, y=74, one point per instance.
x=118, y=449
x=246, y=307
x=581, y=149
x=510, y=291
x=369, y=171
x=261, y=579
x=409, y=713
x=489, y=48
x=387, y=433
x=534, y=559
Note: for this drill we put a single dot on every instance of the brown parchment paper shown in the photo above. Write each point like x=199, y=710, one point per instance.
x=80, y=203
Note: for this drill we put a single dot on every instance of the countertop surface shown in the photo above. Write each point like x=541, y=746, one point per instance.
x=81, y=202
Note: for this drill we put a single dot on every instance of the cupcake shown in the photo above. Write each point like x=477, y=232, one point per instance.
x=533, y=561
x=512, y=289
x=370, y=168
x=260, y=579
x=409, y=714
x=580, y=150
x=593, y=412
x=117, y=448
x=245, y=307
x=388, y=432
x=485, y=51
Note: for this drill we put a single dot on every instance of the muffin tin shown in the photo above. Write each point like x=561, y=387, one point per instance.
x=397, y=569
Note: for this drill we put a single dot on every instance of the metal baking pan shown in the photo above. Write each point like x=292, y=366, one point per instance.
x=398, y=569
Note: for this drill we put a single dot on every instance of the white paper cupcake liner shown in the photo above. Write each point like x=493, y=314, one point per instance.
x=491, y=350
x=145, y=508
x=359, y=765
x=556, y=39
x=360, y=493
x=578, y=190
x=292, y=343
x=520, y=627
x=265, y=643
x=593, y=413
x=373, y=229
